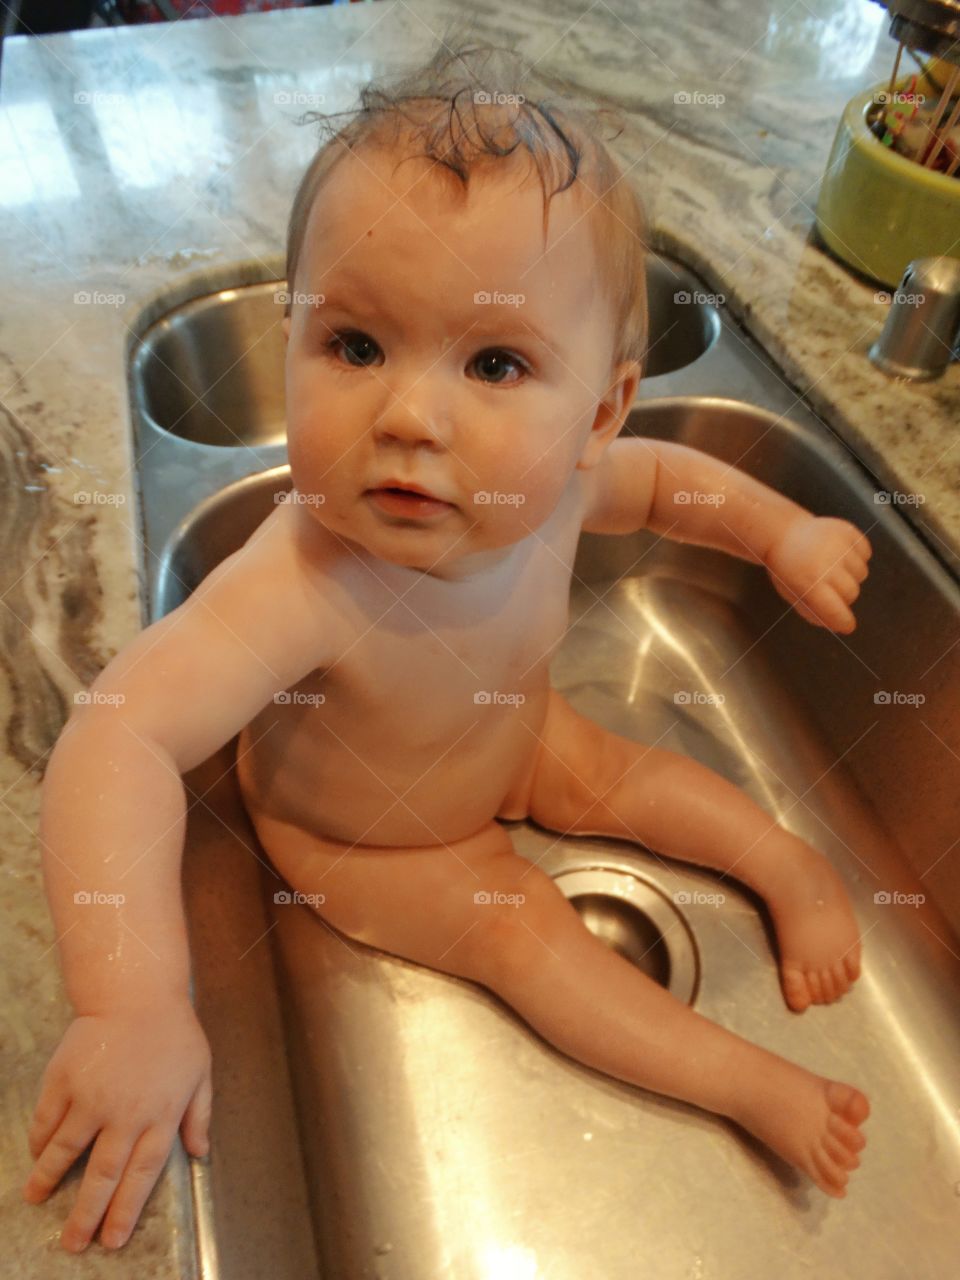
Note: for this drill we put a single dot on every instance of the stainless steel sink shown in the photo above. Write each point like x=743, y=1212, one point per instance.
x=375, y=1119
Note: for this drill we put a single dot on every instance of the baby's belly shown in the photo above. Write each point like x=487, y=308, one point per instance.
x=385, y=780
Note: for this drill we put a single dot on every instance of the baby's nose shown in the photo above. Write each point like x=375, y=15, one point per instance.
x=414, y=414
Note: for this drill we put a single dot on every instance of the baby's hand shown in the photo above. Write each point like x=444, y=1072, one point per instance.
x=128, y=1077
x=817, y=565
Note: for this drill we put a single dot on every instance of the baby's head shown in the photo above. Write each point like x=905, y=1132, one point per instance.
x=464, y=223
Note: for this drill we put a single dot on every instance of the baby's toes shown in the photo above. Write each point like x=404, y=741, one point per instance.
x=851, y=962
x=828, y=1176
x=841, y=983
x=847, y=1102
x=795, y=989
x=829, y=986
x=815, y=986
x=840, y=1153
x=845, y=1132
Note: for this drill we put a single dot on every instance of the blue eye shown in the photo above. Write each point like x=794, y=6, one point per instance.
x=359, y=350
x=496, y=360
x=358, y=346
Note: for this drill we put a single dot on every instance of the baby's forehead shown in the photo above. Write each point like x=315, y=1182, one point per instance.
x=375, y=197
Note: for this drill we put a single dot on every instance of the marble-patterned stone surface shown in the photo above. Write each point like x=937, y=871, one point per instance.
x=129, y=157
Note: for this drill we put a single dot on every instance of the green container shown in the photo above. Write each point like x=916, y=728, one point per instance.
x=877, y=210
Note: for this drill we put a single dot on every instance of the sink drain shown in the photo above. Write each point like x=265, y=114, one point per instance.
x=638, y=922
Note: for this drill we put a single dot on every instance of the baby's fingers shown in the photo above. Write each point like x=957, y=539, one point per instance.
x=144, y=1168
x=104, y=1170
x=70, y=1140
x=856, y=568
x=829, y=609
x=855, y=562
x=846, y=585
x=855, y=538
x=807, y=614
x=47, y=1118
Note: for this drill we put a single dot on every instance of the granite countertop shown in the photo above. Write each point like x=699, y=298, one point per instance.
x=133, y=156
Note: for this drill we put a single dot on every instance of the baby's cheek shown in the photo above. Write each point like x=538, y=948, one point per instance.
x=303, y=468
x=538, y=481
x=313, y=456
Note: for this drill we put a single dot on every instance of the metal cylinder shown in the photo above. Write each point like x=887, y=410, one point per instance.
x=932, y=26
x=922, y=330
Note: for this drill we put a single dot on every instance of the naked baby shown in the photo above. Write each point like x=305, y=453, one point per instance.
x=465, y=335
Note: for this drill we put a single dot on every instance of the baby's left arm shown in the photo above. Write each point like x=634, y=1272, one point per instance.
x=815, y=563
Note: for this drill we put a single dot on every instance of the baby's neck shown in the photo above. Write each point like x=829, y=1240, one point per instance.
x=467, y=568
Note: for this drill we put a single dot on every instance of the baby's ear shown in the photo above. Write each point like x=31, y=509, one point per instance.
x=285, y=325
x=611, y=413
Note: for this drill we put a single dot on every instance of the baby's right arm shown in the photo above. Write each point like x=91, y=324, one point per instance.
x=111, y=830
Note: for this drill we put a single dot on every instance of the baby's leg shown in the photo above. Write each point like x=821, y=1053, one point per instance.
x=478, y=910
x=589, y=781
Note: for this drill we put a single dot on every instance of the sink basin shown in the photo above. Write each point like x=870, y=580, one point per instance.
x=376, y=1119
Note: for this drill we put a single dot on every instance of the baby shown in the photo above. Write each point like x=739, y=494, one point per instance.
x=462, y=348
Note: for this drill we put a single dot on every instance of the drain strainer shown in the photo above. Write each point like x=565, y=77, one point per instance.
x=639, y=922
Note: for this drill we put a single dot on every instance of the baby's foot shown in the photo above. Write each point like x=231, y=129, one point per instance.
x=816, y=928
x=808, y=1120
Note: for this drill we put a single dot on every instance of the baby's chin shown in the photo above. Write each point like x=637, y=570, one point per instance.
x=420, y=548
x=402, y=546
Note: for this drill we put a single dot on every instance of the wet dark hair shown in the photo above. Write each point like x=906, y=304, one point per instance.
x=470, y=108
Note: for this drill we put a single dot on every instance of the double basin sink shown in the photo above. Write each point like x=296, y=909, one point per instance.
x=375, y=1119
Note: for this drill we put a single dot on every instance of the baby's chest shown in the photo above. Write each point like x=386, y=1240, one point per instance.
x=412, y=659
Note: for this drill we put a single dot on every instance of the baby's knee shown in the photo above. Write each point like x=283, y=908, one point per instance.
x=516, y=929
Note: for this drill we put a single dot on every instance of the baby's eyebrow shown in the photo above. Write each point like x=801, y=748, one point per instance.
x=497, y=319
x=511, y=321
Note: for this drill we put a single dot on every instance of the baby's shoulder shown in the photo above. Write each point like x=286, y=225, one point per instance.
x=302, y=560
x=307, y=549
x=291, y=541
